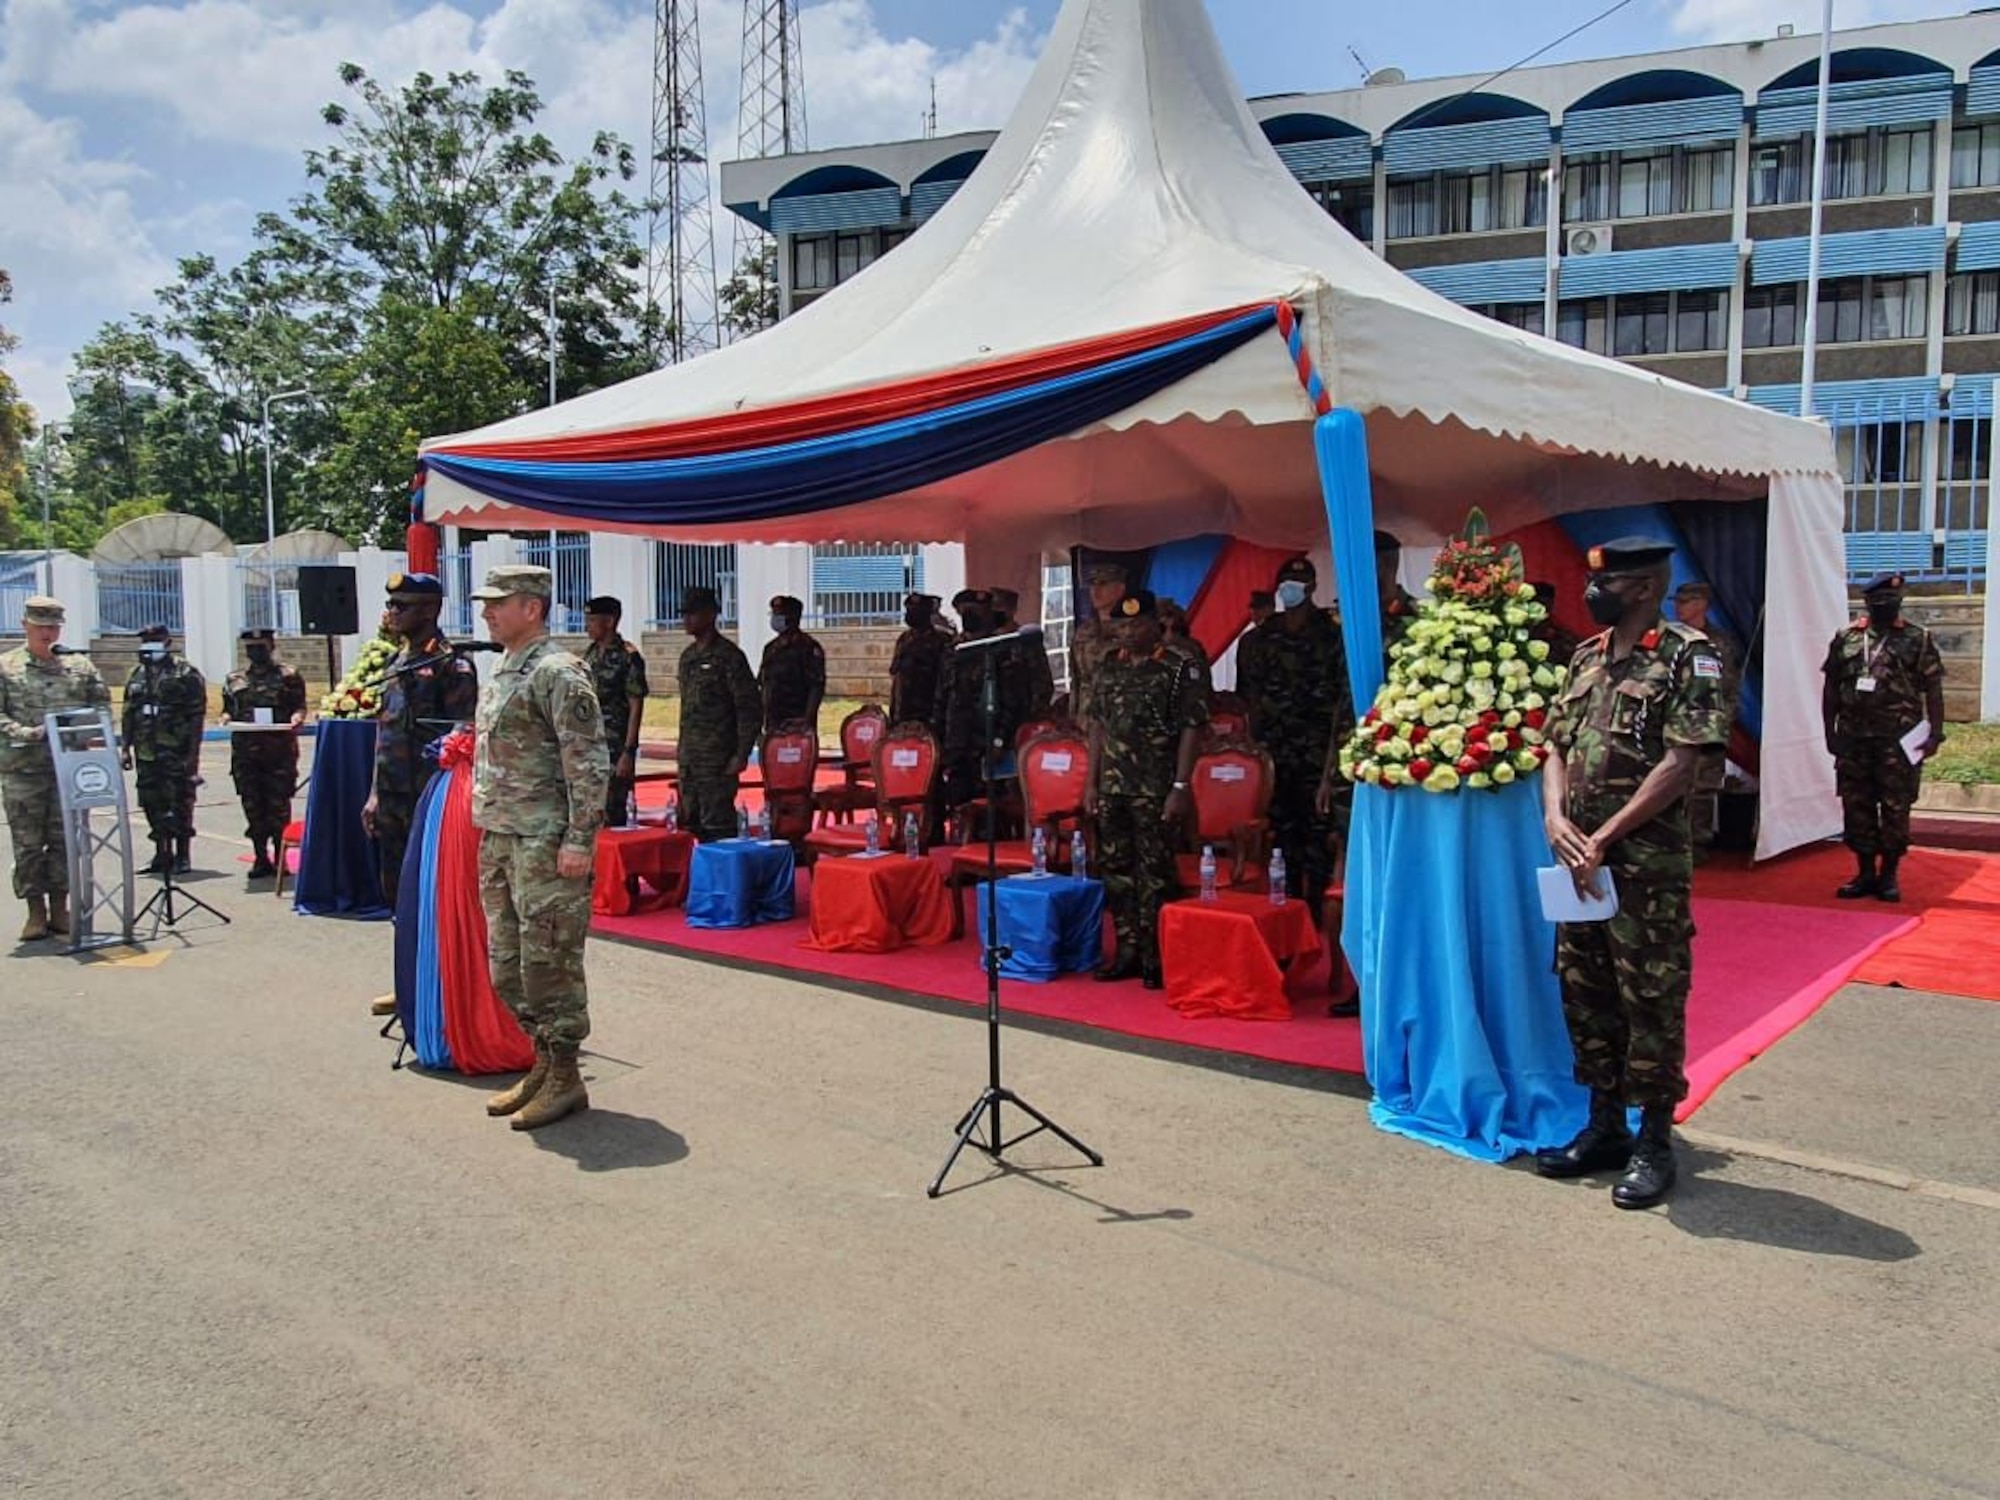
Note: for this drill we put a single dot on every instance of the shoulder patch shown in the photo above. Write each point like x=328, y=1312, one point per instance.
x=1707, y=666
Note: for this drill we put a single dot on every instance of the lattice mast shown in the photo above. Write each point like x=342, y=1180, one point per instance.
x=680, y=228
x=774, y=99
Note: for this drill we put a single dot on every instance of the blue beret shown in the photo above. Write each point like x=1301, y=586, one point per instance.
x=1883, y=583
x=415, y=586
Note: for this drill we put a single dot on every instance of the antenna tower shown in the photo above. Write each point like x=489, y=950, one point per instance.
x=680, y=227
x=774, y=98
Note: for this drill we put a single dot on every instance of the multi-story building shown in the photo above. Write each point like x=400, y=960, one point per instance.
x=1651, y=208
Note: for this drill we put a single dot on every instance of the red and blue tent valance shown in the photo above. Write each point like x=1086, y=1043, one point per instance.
x=820, y=455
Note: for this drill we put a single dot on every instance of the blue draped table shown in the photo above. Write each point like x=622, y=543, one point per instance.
x=1461, y=1015
x=1054, y=924
x=340, y=869
x=740, y=883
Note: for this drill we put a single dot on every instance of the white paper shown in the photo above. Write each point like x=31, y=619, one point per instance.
x=904, y=760
x=1057, y=762
x=790, y=755
x=1913, y=743
x=1561, y=903
x=261, y=716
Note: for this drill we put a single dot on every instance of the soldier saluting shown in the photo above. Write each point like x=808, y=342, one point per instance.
x=264, y=766
x=1884, y=678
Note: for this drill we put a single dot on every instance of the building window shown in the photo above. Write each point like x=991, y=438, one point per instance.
x=1701, y=321
x=1351, y=205
x=1898, y=307
x=1971, y=448
x=1584, y=323
x=1883, y=453
x=1526, y=316
x=1643, y=325
x=1468, y=202
x=1972, y=303
x=1770, y=317
x=1975, y=156
x=1413, y=208
x=812, y=263
x=1777, y=172
x=1859, y=164
x=1645, y=184
x=821, y=262
x=1706, y=180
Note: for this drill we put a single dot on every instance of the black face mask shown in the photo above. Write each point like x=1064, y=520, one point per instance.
x=260, y=656
x=1884, y=611
x=975, y=621
x=916, y=619
x=1606, y=607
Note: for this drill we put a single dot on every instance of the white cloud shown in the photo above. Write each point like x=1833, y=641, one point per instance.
x=1741, y=20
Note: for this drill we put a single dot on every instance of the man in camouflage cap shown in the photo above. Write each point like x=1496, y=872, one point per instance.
x=539, y=773
x=1642, y=708
x=166, y=705
x=264, y=764
x=918, y=664
x=618, y=672
x=791, y=678
x=36, y=682
x=1091, y=641
x=721, y=712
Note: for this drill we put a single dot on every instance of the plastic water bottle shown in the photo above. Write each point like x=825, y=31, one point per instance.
x=874, y=834
x=631, y=809
x=912, y=839
x=1079, y=856
x=1039, y=848
x=760, y=824
x=1208, y=874
x=1278, y=897
x=673, y=814
x=742, y=821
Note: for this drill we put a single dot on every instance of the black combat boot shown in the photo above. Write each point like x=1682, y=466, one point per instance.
x=1652, y=1172
x=1603, y=1145
x=1887, y=887
x=1124, y=965
x=1863, y=883
x=261, y=866
x=183, y=863
x=163, y=858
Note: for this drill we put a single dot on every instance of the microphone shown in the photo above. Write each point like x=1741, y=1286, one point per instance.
x=62, y=650
x=1027, y=635
x=466, y=648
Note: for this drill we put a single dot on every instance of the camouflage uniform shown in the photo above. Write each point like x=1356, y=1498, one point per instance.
x=1090, y=645
x=959, y=724
x=264, y=766
x=29, y=689
x=791, y=680
x=1876, y=780
x=618, y=676
x=418, y=709
x=1705, y=801
x=1301, y=705
x=165, y=708
x=915, y=672
x=538, y=789
x=1190, y=650
x=1146, y=705
x=720, y=714
x=1625, y=981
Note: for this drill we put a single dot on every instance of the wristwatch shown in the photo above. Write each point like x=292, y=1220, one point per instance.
x=1180, y=786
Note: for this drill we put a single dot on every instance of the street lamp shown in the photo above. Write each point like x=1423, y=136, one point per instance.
x=52, y=434
x=271, y=505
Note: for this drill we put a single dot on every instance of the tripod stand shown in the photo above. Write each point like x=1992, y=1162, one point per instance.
x=170, y=903
x=996, y=1143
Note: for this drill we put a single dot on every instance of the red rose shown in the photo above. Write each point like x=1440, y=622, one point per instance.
x=1373, y=716
x=1420, y=769
x=1419, y=735
x=1535, y=718
x=1489, y=717
x=1385, y=733
x=1468, y=764
x=1513, y=739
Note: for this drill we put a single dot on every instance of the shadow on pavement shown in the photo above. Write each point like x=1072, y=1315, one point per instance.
x=1711, y=1208
x=602, y=1140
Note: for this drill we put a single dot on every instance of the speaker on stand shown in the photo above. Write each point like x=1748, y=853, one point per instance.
x=329, y=606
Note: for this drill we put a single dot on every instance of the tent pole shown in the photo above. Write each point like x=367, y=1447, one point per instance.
x=1811, y=335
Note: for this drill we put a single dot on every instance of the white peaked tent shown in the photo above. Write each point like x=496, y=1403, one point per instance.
x=1133, y=188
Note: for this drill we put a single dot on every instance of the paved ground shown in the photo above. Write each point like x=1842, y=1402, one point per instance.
x=243, y=1258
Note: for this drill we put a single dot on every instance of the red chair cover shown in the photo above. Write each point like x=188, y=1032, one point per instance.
x=860, y=732
x=1231, y=788
x=790, y=762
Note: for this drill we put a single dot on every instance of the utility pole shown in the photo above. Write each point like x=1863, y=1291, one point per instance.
x=680, y=227
x=773, y=120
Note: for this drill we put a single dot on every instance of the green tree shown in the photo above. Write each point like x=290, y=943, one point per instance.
x=17, y=425
x=750, y=297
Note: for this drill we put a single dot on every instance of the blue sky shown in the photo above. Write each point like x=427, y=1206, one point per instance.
x=135, y=133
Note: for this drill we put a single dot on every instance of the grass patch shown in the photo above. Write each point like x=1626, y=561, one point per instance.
x=1970, y=757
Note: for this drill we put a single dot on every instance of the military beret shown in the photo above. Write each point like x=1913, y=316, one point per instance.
x=785, y=604
x=1628, y=553
x=696, y=597
x=1137, y=605
x=156, y=633
x=978, y=597
x=1263, y=599
x=511, y=580
x=1006, y=600
x=258, y=633
x=922, y=601
x=1299, y=569
x=1105, y=572
x=604, y=604
x=1388, y=541
x=40, y=609
x=415, y=586
x=1884, y=583
x=1694, y=588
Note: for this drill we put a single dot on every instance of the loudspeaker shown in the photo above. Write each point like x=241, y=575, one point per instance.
x=327, y=603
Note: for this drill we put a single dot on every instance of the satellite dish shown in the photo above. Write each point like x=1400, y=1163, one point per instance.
x=160, y=537
x=1382, y=76
x=300, y=546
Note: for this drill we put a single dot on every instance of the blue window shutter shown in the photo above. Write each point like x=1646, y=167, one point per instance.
x=926, y=198
x=1341, y=159
x=1982, y=94
x=1481, y=282
x=1634, y=127
x=1857, y=403
x=871, y=208
x=1445, y=148
x=1876, y=252
x=1979, y=247
x=1676, y=268
x=1855, y=106
x=1972, y=396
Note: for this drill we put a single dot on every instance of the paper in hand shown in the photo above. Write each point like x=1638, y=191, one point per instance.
x=1913, y=743
x=1561, y=903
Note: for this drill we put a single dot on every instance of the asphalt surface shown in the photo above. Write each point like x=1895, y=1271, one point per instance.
x=242, y=1257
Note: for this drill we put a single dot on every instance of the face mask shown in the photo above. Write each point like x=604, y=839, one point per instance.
x=1884, y=611
x=916, y=619
x=153, y=651
x=260, y=656
x=779, y=624
x=1605, y=606
x=975, y=621
x=1291, y=594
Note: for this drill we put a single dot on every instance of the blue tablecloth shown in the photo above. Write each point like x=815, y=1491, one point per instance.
x=1054, y=924
x=740, y=883
x=340, y=870
x=1461, y=1015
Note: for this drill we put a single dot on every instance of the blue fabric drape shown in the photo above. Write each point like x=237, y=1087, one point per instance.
x=740, y=883
x=340, y=869
x=1461, y=1016
x=825, y=473
x=1340, y=440
x=1180, y=568
x=1053, y=923
x=428, y=1037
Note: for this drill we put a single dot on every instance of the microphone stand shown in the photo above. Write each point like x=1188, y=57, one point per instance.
x=995, y=1143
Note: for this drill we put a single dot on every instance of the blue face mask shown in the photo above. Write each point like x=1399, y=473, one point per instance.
x=153, y=651
x=1291, y=594
x=779, y=624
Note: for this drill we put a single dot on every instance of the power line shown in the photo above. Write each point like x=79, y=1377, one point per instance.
x=1514, y=67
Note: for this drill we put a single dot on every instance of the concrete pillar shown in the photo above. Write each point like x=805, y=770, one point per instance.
x=622, y=566
x=944, y=570
x=763, y=571
x=75, y=583
x=1989, y=656
x=212, y=613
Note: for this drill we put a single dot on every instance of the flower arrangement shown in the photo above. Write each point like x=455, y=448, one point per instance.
x=1468, y=695
x=352, y=698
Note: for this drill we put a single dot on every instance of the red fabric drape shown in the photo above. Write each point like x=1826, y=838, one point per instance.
x=481, y=1032
x=1549, y=555
x=878, y=905
x=420, y=541
x=1221, y=607
x=1223, y=959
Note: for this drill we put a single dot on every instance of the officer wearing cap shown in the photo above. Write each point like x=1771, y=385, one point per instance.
x=1041, y=677
x=918, y=662
x=791, y=678
x=166, y=705
x=1883, y=678
x=1641, y=710
x=1293, y=675
x=618, y=673
x=960, y=724
x=1691, y=602
x=1091, y=641
x=430, y=691
x=539, y=773
x=36, y=682
x=720, y=716
x=264, y=764
x=1152, y=708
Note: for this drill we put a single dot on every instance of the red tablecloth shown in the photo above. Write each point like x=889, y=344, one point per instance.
x=1222, y=959
x=626, y=856
x=862, y=905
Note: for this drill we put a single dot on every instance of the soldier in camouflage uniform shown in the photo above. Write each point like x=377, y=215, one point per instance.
x=1691, y=601
x=35, y=682
x=618, y=673
x=1091, y=641
x=166, y=705
x=539, y=773
x=1642, y=708
x=1292, y=672
x=720, y=715
x=1041, y=684
x=1179, y=640
x=1883, y=678
x=960, y=725
x=791, y=678
x=264, y=765
x=1152, y=706
x=918, y=665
